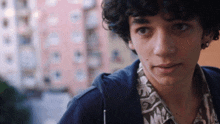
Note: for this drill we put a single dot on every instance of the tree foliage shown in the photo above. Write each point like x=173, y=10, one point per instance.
x=12, y=105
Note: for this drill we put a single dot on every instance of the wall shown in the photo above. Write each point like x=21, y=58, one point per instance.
x=211, y=55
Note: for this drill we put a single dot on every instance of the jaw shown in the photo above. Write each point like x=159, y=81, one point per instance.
x=177, y=76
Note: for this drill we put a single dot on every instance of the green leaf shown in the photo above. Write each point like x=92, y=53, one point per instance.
x=3, y=86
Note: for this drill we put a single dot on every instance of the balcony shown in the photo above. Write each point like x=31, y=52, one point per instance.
x=92, y=40
x=20, y=4
x=29, y=82
x=27, y=59
x=25, y=30
x=93, y=45
x=24, y=41
x=91, y=19
x=22, y=12
x=88, y=4
x=94, y=59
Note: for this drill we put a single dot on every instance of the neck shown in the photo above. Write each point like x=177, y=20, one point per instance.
x=182, y=97
x=182, y=100
x=177, y=95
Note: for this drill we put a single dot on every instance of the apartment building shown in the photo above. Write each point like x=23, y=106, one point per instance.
x=62, y=44
x=19, y=44
x=74, y=44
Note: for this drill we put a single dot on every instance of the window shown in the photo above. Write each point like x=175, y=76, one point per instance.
x=77, y=36
x=94, y=59
x=24, y=3
x=9, y=59
x=3, y=4
x=56, y=57
x=5, y=23
x=24, y=40
x=56, y=75
x=53, y=39
x=88, y=4
x=51, y=3
x=7, y=40
x=24, y=20
x=78, y=57
x=28, y=79
x=75, y=16
x=92, y=39
x=47, y=80
x=91, y=19
x=28, y=58
x=115, y=56
x=80, y=75
x=52, y=20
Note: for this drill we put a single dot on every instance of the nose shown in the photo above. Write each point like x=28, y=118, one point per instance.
x=164, y=43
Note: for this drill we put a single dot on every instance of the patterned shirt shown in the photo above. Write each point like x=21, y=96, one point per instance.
x=155, y=111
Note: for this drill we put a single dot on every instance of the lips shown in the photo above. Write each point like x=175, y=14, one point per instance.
x=167, y=65
x=167, y=68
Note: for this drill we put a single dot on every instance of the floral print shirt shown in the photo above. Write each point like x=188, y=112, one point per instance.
x=155, y=111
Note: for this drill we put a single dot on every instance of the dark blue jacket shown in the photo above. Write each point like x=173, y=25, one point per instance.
x=117, y=95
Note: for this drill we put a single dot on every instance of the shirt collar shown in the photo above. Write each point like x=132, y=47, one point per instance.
x=154, y=109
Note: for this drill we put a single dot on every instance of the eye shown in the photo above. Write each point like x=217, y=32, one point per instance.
x=143, y=31
x=181, y=26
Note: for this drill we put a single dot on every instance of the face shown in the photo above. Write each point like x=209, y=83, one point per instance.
x=168, y=50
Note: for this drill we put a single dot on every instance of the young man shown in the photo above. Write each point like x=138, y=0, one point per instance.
x=166, y=85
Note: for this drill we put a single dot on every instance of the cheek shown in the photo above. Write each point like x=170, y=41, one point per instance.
x=190, y=52
x=191, y=46
x=195, y=45
x=137, y=46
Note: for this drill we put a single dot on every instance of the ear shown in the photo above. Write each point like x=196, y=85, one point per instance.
x=130, y=45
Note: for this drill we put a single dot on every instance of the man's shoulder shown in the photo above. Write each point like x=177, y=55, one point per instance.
x=103, y=82
x=123, y=77
x=87, y=97
x=125, y=73
x=212, y=74
x=211, y=69
x=88, y=103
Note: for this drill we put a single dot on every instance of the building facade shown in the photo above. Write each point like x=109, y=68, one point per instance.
x=63, y=45
x=19, y=45
x=74, y=44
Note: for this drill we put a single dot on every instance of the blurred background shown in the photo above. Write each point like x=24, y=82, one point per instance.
x=51, y=50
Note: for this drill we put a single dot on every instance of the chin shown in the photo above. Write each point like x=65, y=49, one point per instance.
x=169, y=81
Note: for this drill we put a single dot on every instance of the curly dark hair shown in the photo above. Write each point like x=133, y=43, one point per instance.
x=116, y=12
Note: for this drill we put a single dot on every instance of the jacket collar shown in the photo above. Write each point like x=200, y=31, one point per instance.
x=118, y=86
x=213, y=78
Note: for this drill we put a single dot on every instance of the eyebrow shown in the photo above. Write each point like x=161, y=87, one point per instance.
x=140, y=21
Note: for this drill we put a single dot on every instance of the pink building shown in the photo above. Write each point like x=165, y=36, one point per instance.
x=74, y=46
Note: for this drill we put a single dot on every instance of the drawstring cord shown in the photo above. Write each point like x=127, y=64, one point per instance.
x=104, y=116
